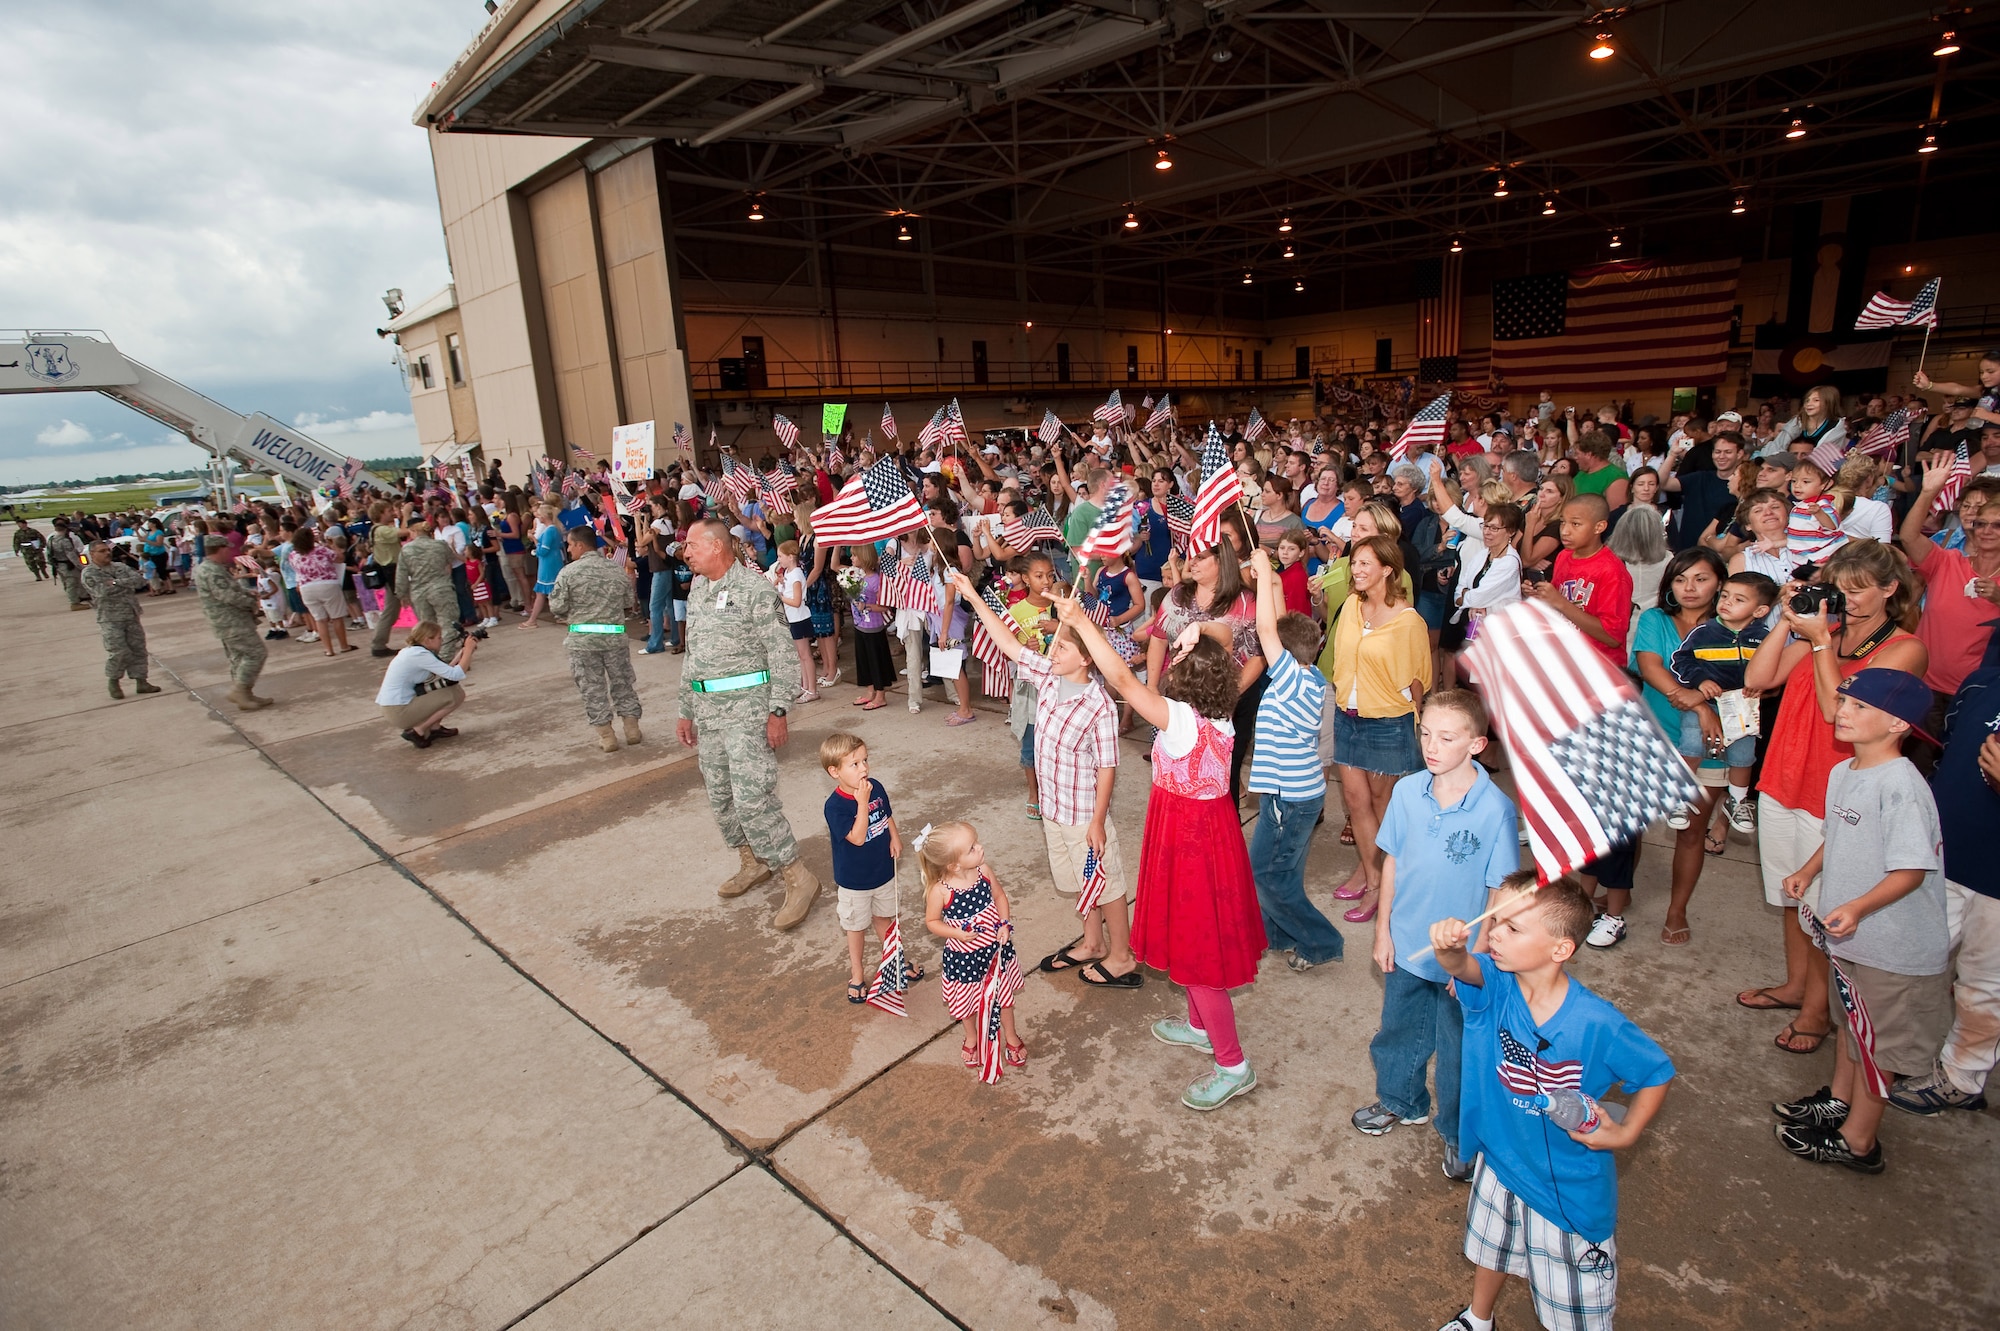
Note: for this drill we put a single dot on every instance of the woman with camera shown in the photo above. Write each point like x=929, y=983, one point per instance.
x=1856, y=611
x=419, y=690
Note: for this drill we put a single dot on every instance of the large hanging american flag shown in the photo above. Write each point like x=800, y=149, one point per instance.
x=1163, y=413
x=1590, y=764
x=888, y=422
x=1440, y=294
x=1954, y=485
x=1615, y=327
x=1220, y=488
x=1112, y=410
x=1117, y=527
x=1426, y=429
x=1051, y=427
x=1885, y=311
x=788, y=433
x=1886, y=437
x=891, y=977
x=1256, y=427
x=874, y=505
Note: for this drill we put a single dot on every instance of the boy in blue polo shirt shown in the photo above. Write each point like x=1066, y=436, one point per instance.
x=1286, y=777
x=1450, y=837
x=1544, y=1199
x=862, y=829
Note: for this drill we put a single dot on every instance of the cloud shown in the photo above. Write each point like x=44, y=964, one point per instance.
x=66, y=435
x=374, y=421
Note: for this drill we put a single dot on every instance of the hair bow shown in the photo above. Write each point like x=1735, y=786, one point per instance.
x=923, y=835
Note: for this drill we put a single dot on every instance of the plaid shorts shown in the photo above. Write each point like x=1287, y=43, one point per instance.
x=1573, y=1291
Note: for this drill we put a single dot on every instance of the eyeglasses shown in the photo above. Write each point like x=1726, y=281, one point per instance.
x=1991, y=524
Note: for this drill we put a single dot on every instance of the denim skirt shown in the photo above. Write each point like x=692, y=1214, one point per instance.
x=1385, y=744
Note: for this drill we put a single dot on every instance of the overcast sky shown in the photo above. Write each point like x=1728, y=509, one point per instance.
x=225, y=187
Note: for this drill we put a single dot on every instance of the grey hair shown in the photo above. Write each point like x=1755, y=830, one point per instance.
x=1527, y=468
x=1480, y=466
x=1410, y=474
x=1639, y=538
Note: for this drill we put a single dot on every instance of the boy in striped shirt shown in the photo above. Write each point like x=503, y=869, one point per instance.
x=1286, y=775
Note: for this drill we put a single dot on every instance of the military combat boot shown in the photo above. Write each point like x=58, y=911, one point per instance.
x=801, y=890
x=116, y=692
x=247, y=700
x=607, y=739
x=141, y=686
x=632, y=735
x=752, y=873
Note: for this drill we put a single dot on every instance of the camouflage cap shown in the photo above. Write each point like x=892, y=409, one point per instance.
x=212, y=543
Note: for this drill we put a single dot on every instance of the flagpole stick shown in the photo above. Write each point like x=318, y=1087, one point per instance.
x=1521, y=895
x=1925, y=349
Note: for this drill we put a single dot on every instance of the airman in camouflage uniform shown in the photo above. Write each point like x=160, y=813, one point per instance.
x=111, y=586
x=232, y=612
x=66, y=562
x=736, y=632
x=423, y=581
x=29, y=545
x=595, y=596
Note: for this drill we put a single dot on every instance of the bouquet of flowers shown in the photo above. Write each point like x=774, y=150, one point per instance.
x=850, y=580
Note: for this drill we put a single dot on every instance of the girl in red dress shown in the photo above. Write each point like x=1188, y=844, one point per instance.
x=1195, y=915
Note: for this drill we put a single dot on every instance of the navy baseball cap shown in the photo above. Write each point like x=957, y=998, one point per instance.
x=1897, y=692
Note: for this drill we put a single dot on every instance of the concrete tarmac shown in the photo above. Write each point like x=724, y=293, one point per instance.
x=306, y=1028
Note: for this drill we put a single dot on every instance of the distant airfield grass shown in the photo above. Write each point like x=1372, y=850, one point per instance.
x=124, y=499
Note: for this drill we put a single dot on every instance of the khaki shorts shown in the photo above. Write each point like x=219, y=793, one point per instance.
x=1910, y=1014
x=1786, y=839
x=324, y=600
x=858, y=910
x=422, y=707
x=1067, y=846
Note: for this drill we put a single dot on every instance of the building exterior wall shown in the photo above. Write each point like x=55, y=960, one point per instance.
x=638, y=272
x=568, y=264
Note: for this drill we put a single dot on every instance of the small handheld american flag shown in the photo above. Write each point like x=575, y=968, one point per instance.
x=1117, y=527
x=788, y=433
x=1886, y=437
x=583, y=452
x=891, y=978
x=740, y=482
x=683, y=440
x=1885, y=311
x=1163, y=413
x=888, y=422
x=1112, y=410
x=936, y=430
x=1828, y=454
x=834, y=458
x=1220, y=488
x=911, y=587
x=1859, y=1024
x=1590, y=764
x=1051, y=429
x=636, y=504
x=998, y=680
x=1256, y=427
x=1426, y=429
x=954, y=425
x=1180, y=517
x=1038, y=525
x=995, y=994
x=1094, y=882
x=872, y=506
x=1954, y=485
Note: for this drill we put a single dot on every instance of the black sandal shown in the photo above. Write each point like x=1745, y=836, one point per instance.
x=857, y=993
x=1097, y=977
x=1062, y=959
x=911, y=974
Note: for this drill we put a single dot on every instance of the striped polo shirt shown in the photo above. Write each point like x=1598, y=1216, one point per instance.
x=1285, y=761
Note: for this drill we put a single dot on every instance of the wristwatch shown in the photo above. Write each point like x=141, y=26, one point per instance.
x=778, y=712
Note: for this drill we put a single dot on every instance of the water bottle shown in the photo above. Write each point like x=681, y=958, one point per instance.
x=1572, y=1110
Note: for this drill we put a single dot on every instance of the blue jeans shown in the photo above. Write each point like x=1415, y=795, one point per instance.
x=1419, y=1018
x=657, y=603
x=1278, y=863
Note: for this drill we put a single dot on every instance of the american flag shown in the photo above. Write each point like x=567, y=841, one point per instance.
x=1163, y=413
x=1220, y=487
x=1590, y=764
x=1038, y=525
x=1002, y=983
x=1180, y=517
x=583, y=452
x=1095, y=610
x=872, y=506
x=954, y=425
x=1147, y=402
x=998, y=681
x=716, y=490
x=888, y=422
x=834, y=460
x=350, y=472
x=1440, y=288
x=777, y=486
x=1885, y=311
x=572, y=486
x=788, y=433
x=1094, y=882
x=1829, y=453
x=1426, y=429
x=683, y=440
x=1112, y=410
x=1858, y=1020
x=1616, y=327
x=1886, y=437
x=936, y=430
x=911, y=587
x=1954, y=485
x=740, y=482
x=1051, y=429
x=891, y=977
x=1525, y=1072
x=636, y=504
x=1116, y=528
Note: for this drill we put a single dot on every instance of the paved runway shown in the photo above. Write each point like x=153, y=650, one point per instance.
x=301, y=1027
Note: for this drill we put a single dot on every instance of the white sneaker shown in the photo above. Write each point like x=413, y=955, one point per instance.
x=309, y=636
x=1606, y=931
x=490, y=622
x=1742, y=814
x=1680, y=818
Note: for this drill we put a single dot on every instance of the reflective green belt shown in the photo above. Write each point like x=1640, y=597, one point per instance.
x=731, y=683
x=596, y=628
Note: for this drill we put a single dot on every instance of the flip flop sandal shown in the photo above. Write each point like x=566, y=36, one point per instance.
x=1015, y=1054
x=1769, y=1004
x=857, y=993
x=1034, y=813
x=970, y=1054
x=1667, y=937
x=875, y=706
x=1062, y=959
x=1347, y=833
x=1708, y=843
x=912, y=974
x=1097, y=977
x=1790, y=1033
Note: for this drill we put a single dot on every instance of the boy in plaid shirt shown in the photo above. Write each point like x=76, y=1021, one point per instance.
x=1076, y=762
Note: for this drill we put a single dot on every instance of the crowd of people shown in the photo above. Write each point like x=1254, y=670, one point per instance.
x=1803, y=595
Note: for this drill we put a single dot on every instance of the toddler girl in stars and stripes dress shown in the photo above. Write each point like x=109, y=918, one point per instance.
x=965, y=907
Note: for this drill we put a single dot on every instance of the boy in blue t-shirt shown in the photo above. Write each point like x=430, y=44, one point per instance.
x=1449, y=838
x=865, y=849
x=1544, y=1199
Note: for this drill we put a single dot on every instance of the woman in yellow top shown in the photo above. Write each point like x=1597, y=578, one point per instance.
x=1381, y=671
x=1374, y=518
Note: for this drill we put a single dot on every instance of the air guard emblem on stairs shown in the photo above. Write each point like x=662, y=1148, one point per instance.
x=50, y=362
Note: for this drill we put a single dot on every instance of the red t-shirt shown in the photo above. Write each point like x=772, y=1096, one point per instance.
x=1803, y=752
x=1298, y=597
x=1465, y=448
x=1602, y=585
x=1954, y=627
